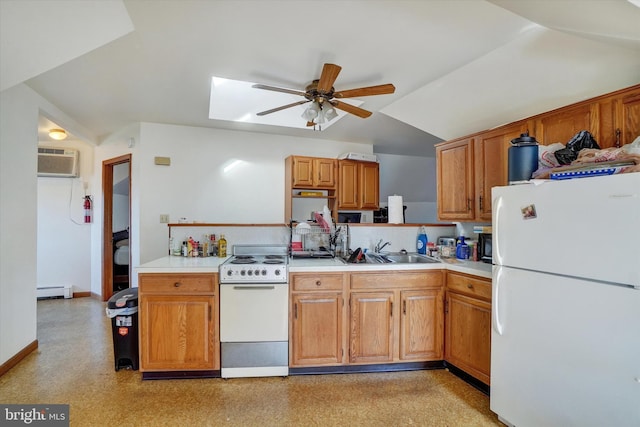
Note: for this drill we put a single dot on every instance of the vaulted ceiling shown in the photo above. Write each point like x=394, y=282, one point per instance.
x=458, y=66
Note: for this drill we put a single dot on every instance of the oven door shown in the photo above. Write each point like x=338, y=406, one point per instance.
x=254, y=312
x=254, y=332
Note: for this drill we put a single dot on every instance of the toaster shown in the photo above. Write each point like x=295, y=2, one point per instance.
x=446, y=241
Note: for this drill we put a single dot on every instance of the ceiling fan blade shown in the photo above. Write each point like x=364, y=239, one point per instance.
x=273, y=110
x=352, y=109
x=328, y=77
x=366, y=91
x=279, y=89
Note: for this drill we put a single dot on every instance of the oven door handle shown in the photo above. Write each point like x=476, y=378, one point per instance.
x=251, y=287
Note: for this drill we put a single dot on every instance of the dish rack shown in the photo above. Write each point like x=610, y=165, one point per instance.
x=310, y=240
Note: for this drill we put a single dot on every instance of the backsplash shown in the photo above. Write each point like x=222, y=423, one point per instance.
x=400, y=237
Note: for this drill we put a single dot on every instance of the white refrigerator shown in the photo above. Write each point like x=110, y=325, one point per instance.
x=565, y=341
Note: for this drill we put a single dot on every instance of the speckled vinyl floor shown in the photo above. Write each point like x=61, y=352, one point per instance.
x=74, y=365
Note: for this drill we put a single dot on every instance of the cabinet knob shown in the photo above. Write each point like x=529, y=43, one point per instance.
x=469, y=285
x=318, y=283
x=177, y=284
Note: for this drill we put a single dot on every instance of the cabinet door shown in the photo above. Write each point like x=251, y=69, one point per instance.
x=455, y=180
x=468, y=335
x=177, y=333
x=348, y=185
x=302, y=174
x=316, y=332
x=491, y=165
x=369, y=185
x=421, y=324
x=628, y=116
x=562, y=125
x=324, y=173
x=371, y=327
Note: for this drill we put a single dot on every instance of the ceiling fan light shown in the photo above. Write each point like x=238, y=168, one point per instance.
x=57, y=134
x=330, y=113
x=311, y=112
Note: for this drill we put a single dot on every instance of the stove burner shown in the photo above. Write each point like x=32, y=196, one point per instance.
x=246, y=260
x=273, y=261
x=280, y=257
x=244, y=257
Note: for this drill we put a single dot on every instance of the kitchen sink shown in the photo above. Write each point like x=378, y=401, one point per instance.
x=401, y=258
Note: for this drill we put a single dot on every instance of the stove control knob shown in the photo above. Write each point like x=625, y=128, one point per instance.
x=257, y=272
x=229, y=272
x=249, y=272
x=264, y=272
x=277, y=272
x=242, y=273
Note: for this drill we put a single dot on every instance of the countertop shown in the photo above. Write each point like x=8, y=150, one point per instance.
x=176, y=264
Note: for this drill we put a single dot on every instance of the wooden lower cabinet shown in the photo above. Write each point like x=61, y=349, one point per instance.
x=421, y=324
x=468, y=325
x=178, y=320
x=316, y=329
x=396, y=317
x=317, y=326
x=371, y=327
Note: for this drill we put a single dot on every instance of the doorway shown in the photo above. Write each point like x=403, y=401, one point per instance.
x=116, y=256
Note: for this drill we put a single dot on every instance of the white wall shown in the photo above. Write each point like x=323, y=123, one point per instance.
x=18, y=190
x=413, y=178
x=197, y=187
x=64, y=240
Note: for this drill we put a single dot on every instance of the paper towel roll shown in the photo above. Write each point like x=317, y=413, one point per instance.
x=396, y=210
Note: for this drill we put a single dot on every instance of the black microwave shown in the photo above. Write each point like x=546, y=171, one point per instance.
x=484, y=248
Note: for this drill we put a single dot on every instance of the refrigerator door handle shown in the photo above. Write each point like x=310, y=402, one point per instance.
x=497, y=325
x=496, y=208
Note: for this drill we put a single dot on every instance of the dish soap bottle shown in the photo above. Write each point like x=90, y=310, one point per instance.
x=222, y=246
x=462, y=250
x=421, y=244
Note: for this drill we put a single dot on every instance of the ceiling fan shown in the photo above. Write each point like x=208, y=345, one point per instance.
x=324, y=97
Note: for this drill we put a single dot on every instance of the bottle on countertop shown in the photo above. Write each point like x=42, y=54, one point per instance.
x=185, y=248
x=213, y=247
x=222, y=246
x=462, y=250
x=421, y=244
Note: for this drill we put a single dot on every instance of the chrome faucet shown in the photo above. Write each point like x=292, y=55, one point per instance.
x=380, y=246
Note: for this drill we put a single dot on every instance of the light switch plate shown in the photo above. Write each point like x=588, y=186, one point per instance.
x=164, y=218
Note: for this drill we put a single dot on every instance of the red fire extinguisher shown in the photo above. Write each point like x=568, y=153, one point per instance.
x=87, y=209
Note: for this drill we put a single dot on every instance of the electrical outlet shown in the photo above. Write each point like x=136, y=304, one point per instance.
x=164, y=218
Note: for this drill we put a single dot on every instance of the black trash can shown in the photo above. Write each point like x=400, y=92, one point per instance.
x=122, y=308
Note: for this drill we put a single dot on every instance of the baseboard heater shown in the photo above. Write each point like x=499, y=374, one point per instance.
x=54, y=291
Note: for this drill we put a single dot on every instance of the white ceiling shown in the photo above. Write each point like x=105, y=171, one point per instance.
x=459, y=66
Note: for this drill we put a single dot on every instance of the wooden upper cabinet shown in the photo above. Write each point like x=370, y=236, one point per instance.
x=491, y=154
x=359, y=186
x=313, y=172
x=455, y=171
x=562, y=125
x=627, y=108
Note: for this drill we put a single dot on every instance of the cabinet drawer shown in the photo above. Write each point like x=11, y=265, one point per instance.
x=394, y=279
x=316, y=282
x=177, y=283
x=469, y=285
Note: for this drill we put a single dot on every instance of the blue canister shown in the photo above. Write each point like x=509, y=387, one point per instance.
x=523, y=158
x=421, y=243
x=462, y=250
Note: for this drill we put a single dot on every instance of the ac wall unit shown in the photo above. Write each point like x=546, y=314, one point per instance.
x=57, y=162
